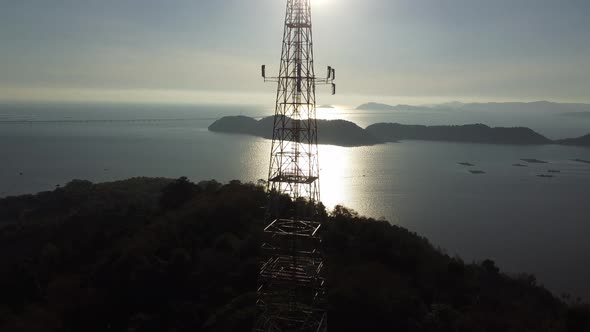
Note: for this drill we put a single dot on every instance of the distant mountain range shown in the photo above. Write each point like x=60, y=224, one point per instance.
x=536, y=106
x=345, y=133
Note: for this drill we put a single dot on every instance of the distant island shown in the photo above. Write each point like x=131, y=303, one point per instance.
x=385, y=107
x=151, y=254
x=379, y=107
x=334, y=132
x=566, y=109
x=581, y=141
x=346, y=133
x=475, y=133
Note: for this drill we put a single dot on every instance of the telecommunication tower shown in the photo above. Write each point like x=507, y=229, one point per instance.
x=291, y=287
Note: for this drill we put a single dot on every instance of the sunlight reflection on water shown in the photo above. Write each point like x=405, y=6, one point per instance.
x=333, y=112
x=334, y=167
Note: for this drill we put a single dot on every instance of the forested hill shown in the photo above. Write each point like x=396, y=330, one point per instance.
x=345, y=133
x=169, y=255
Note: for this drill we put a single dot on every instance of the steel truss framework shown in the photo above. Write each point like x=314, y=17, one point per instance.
x=291, y=289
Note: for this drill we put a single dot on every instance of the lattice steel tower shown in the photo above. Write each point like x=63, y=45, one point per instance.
x=291, y=289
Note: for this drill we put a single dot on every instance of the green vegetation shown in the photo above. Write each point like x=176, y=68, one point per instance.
x=171, y=255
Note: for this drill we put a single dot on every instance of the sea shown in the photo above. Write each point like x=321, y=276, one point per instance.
x=525, y=222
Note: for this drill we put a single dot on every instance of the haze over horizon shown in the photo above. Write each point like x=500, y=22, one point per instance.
x=413, y=52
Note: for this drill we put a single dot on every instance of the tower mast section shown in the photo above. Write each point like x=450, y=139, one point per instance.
x=291, y=287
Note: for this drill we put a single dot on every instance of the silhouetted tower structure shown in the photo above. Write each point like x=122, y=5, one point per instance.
x=291, y=289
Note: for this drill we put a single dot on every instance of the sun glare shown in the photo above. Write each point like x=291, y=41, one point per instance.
x=319, y=2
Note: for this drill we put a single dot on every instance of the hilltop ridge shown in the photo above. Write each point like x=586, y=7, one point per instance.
x=170, y=255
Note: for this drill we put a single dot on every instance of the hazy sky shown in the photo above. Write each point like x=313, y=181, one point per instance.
x=389, y=50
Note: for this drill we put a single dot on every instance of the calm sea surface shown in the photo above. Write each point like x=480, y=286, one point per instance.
x=524, y=222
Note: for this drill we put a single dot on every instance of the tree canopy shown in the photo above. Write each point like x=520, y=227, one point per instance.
x=170, y=255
